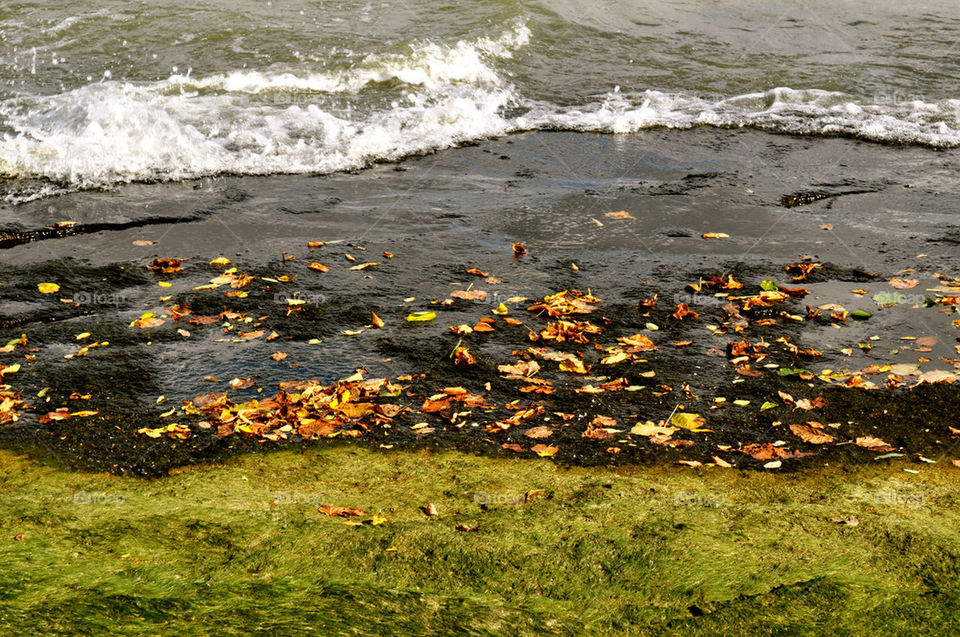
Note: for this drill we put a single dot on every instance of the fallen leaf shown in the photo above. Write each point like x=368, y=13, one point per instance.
x=848, y=521
x=620, y=214
x=714, y=235
x=872, y=443
x=470, y=295
x=421, y=317
x=687, y=421
x=544, y=451
x=344, y=512
x=904, y=284
x=48, y=288
x=649, y=428
x=538, y=432
x=812, y=435
x=376, y=320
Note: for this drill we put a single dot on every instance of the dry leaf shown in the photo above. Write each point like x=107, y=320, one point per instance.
x=343, y=512
x=813, y=435
x=904, y=284
x=872, y=443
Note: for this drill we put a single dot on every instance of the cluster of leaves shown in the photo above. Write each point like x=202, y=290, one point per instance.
x=568, y=336
x=307, y=409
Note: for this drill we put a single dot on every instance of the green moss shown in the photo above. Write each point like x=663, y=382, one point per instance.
x=237, y=547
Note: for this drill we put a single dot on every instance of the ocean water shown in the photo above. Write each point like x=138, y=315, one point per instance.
x=98, y=93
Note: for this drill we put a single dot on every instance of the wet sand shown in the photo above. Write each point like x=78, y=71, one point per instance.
x=445, y=213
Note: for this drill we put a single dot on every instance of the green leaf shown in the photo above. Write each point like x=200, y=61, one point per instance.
x=790, y=371
x=769, y=286
x=767, y=405
x=861, y=315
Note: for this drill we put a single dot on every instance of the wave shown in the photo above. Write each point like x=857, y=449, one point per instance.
x=382, y=108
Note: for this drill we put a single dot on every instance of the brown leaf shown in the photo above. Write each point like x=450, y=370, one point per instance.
x=521, y=369
x=848, y=521
x=620, y=214
x=518, y=249
x=470, y=295
x=812, y=435
x=343, y=512
x=766, y=451
x=872, y=443
x=682, y=311
x=904, y=284
x=538, y=432
x=463, y=356
x=376, y=320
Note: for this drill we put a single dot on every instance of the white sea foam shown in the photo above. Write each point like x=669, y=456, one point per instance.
x=273, y=121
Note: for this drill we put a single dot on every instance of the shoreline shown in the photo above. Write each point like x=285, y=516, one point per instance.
x=461, y=209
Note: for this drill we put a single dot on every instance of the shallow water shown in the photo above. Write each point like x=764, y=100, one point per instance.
x=101, y=93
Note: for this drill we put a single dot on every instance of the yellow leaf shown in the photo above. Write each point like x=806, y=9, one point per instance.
x=364, y=266
x=687, y=421
x=11, y=369
x=220, y=261
x=421, y=317
x=48, y=288
x=573, y=366
x=649, y=428
x=500, y=310
x=164, y=284
x=613, y=359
